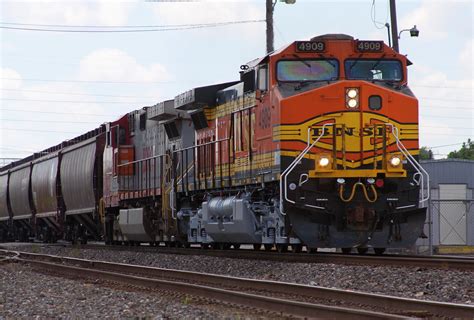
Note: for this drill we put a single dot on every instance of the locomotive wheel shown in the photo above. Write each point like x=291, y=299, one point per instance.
x=257, y=246
x=379, y=251
x=236, y=246
x=186, y=245
x=346, y=250
x=362, y=250
x=268, y=247
x=282, y=248
x=312, y=250
x=296, y=248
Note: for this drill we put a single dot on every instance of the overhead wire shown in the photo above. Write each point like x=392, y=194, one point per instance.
x=377, y=24
x=86, y=81
x=76, y=101
x=58, y=112
x=183, y=27
x=446, y=145
x=36, y=130
x=50, y=121
x=125, y=27
x=76, y=93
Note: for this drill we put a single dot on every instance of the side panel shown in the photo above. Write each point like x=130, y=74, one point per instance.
x=18, y=191
x=43, y=186
x=77, y=176
x=4, y=215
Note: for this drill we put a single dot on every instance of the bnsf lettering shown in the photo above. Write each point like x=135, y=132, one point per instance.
x=329, y=131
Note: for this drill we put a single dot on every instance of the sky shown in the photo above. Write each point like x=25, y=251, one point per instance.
x=55, y=86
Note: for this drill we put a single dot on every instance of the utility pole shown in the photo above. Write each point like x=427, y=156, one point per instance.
x=393, y=18
x=269, y=19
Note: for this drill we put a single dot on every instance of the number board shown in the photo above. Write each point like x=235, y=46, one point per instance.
x=369, y=46
x=310, y=46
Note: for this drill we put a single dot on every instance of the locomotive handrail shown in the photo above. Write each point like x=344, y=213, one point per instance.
x=414, y=163
x=291, y=167
x=420, y=170
x=141, y=160
x=201, y=145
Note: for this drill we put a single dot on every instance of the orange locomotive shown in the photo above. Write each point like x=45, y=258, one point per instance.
x=348, y=140
x=316, y=145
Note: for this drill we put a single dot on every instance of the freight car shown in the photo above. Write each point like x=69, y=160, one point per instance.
x=315, y=145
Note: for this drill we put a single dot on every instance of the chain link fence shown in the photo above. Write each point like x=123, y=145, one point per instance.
x=449, y=223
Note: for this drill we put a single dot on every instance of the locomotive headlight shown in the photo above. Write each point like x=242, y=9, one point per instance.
x=324, y=162
x=352, y=93
x=352, y=98
x=395, y=161
x=352, y=103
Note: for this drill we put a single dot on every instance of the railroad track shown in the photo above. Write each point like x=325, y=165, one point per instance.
x=439, y=262
x=283, y=298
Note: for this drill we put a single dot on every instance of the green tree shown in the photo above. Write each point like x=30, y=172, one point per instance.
x=466, y=151
x=425, y=154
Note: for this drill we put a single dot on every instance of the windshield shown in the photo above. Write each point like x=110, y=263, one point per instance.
x=373, y=69
x=307, y=70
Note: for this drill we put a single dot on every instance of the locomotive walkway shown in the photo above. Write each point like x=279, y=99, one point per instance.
x=280, y=297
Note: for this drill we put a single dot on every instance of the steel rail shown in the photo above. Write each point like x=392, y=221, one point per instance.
x=282, y=306
x=440, y=262
x=414, y=306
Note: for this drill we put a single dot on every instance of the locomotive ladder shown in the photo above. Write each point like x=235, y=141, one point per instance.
x=421, y=177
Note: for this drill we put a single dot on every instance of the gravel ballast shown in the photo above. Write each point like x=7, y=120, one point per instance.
x=25, y=294
x=412, y=282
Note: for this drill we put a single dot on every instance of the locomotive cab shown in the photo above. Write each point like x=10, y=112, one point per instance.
x=347, y=129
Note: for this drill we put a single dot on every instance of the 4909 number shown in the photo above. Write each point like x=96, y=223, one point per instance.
x=310, y=46
x=369, y=46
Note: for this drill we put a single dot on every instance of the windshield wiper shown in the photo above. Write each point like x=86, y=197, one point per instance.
x=378, y=62
x=304, y=83
x=301, y=60
x=355, y=62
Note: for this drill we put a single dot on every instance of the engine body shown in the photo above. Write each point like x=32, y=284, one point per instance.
x=315, y=145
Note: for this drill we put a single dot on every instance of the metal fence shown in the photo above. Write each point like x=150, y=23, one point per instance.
x=450, y=222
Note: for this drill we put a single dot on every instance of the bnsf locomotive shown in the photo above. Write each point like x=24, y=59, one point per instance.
x=316, y=145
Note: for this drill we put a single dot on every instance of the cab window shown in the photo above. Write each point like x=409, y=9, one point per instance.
x=307, y=70
x=376, y=69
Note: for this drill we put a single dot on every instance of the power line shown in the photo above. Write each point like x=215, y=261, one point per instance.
x=444, y=117
x=54, y=131
x=377, y=24
x=183, y=27
x=77, y=94
x=88, y=81
x=34, y=130
x=456, y=128
x=50, y=121
x=55, y=112
x=94, y=122
x=117, y=115
x=15, y=149
x=445, y=99
x=424, y=106
x=75, y=101
x=124, y=27
x=446, y=145
x=442, y=87
x=447, y=107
